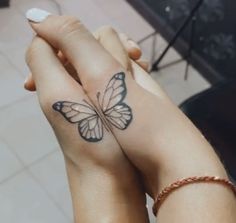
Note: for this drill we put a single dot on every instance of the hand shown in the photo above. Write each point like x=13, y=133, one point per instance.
x=143, y=140
x=103, y=162
x=153, y=141
x=150, y=141
x=105, y=35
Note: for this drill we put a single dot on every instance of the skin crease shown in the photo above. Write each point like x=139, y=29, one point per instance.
x=158, y=125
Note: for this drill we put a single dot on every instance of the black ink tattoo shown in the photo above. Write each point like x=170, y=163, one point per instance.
x=111, y=111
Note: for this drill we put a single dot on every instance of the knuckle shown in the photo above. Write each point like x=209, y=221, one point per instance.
x=69, y=24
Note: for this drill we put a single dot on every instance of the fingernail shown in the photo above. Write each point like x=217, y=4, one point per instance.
x=133, y=44
x=37, y=15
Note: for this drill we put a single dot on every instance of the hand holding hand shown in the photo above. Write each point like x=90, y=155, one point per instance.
x=115, y=109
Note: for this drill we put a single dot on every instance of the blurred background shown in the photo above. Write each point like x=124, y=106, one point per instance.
x=190, y=45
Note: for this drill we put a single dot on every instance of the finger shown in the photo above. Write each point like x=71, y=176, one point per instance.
x=79, y=46
x=134, y=51
x=110, y=40
x=143, y=64
x=68, y=66
x=51, y=79
x=117, y=44
x=131, y=46
x=29, y=83
x=146, y=81
x=105, y=35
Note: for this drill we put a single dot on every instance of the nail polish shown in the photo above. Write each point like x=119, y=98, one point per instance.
x=37, y=15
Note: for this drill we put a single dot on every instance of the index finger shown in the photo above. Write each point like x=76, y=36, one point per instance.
x=69, y=35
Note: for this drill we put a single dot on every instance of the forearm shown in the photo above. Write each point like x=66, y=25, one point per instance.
x=184, y=152
x=97, y=196
x=189, y=154
x=182, y=149
x=178, y=150
x=174, y=147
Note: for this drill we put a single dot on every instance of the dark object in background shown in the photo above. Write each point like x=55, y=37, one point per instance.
x=214, y=113
x=214, y=43
x=4, y=3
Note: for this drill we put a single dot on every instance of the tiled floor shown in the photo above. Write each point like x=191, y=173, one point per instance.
x=33, y=186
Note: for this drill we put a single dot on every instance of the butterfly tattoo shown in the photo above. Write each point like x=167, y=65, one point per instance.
x=110, y=112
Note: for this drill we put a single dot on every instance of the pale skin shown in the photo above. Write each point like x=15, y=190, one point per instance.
x=161, y=144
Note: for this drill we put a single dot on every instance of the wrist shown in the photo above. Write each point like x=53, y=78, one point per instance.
x=104, y=197
x=178, y=164
x=181, y=151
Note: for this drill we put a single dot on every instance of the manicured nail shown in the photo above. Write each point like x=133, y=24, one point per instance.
x=37, y=15
x=133, y=44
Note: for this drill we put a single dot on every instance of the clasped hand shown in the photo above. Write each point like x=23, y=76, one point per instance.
x=120, y=134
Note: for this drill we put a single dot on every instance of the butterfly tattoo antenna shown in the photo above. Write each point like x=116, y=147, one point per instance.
x=101, y=114
x=109, y=112
x=98, y=112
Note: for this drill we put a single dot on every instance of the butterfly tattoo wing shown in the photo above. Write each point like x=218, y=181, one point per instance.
x=119, y=116
x=117, y=113
x=89, y=123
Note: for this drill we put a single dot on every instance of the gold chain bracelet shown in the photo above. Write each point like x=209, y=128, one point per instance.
x=190, y=180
